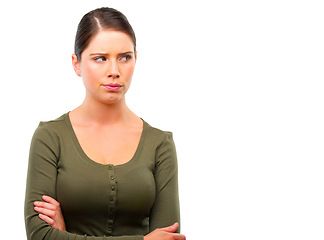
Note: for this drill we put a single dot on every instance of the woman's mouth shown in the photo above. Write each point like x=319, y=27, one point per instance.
x=113, y=87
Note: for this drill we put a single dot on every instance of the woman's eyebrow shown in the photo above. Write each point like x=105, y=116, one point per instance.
x=91, y=54
x=129, y=52
x=106, y=54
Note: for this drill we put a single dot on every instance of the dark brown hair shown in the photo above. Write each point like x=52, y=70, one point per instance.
x=100, y=19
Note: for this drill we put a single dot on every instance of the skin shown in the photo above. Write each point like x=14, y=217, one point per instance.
x=103, y=122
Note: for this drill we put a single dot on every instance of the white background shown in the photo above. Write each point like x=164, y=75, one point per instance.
x=240, y=84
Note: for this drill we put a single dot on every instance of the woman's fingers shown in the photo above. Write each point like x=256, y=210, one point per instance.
x=179, y=236
x=49, y=207
x=47, y=219
x=50, y=212
x=171, y=228
x=45, y=211
x=165, y=233
x=44, y=205
x=50, y=200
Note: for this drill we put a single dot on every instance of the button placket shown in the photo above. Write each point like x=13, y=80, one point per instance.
x=112, y=198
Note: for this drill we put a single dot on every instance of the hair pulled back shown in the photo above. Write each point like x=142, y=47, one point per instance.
x=97, y=20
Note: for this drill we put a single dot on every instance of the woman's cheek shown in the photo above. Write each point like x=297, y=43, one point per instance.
x=129, y=73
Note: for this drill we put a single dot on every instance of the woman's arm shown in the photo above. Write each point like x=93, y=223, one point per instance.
x=51, y=213
x=166, y=210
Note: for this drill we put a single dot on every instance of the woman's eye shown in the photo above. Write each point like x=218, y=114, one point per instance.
x=125, y=58
x=100, y=59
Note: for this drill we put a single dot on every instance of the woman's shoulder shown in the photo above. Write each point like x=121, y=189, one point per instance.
x=54, y=123
x=156, y=134
x=52, y=126
x=49, y=133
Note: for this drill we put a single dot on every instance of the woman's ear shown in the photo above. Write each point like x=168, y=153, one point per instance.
x=76, y=65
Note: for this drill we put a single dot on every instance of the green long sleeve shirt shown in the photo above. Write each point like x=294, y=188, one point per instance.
x=117, y=202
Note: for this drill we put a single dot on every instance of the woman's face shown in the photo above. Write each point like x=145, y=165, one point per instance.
x=107, y=66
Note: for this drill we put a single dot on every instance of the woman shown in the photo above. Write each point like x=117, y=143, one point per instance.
x=99, y=171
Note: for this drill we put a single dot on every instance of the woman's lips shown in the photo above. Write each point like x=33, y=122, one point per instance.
x=113, y=87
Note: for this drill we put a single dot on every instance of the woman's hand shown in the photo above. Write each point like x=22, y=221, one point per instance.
x=165, y=234
x=50, y=212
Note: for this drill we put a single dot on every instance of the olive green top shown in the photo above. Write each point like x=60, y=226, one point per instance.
x=121, y=202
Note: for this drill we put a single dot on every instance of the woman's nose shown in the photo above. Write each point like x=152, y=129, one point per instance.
x=113, y=71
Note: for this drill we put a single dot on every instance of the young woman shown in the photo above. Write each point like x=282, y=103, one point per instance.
x=99, y=171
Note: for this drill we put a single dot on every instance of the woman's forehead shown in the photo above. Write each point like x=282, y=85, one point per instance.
x=110, y=41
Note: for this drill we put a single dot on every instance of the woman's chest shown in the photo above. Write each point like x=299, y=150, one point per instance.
x=86, y=190
x=109, y=146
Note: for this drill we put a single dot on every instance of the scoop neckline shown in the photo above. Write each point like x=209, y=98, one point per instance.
x=85, y=157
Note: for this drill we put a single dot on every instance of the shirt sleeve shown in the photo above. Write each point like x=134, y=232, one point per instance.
x=41, y=180
x=166, y=210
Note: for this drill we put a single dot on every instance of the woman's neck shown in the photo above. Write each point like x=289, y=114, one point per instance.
x=96, y=112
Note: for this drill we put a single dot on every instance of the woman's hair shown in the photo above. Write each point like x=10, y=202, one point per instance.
x=97, y=20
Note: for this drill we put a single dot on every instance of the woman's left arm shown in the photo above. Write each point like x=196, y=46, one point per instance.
x=166, y=210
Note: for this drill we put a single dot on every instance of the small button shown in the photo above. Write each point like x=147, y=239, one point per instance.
x=113, y=187
x=112, y=177
x=112, y=199
x=110, y=167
